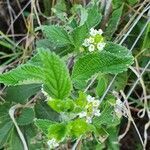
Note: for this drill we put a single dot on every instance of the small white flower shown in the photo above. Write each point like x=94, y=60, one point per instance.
x=86, y=43
x=90, y=98
x=97, y=112
x=52, y=143
x=100, y=46
x=89, y=119
x=93, y=32
x=100, y=31
x=82, y=114
x=91, y=40
x=91, y=48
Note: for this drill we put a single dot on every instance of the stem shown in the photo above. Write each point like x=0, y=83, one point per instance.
x=11, y=113
x=76, y=143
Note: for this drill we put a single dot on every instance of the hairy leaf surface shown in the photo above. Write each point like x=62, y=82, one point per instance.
x=113, y=59
x=57, y=82
x=24, y=74
x=57, y=35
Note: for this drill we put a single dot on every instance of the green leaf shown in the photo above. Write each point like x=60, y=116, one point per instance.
x=79, y=34
x=132, y=2
x=57, y=82
x=120, y=81
x=24, y=74
x=33, y=141
x=26, y=116
x=26, y=91
x=58, y=131
x=113, y=59
x=61, y=51
x=94, y=16
x=146, y=43
x=43, y=111
x=116, y=4
x=113, y=22
x=79, y=127
x=5, y=133
x=81, y=101
x=4, y=114
x=107, y=117
x=101, y=134
x=43, y=125
x=14, y=141
x=113, y=143
x=52, y=72
x=62, y=106
x=57, y=35
x=102, y=85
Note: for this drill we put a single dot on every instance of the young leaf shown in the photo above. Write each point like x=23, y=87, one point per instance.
x=57, y=35
x=113, y=59
x=81, y=101
x=57, y=82
x=57, y=131
x=78, y=127
x=61, y=106
x=24, y=74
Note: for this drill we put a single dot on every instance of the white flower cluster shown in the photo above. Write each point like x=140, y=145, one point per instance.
x=91, y=109
x=52, y=143
x=95, y=41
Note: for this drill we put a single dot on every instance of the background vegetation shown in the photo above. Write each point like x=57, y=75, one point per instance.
x=125, y=22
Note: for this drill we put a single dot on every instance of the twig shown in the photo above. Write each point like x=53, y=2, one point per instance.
x=126, y=130
x=130, y=117
x=92, y=81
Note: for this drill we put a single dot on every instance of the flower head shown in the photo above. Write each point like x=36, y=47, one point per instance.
x=91, y=109
x=95, y=41
x=100, y=31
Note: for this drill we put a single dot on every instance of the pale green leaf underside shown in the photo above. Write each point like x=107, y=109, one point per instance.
x=113, y=59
